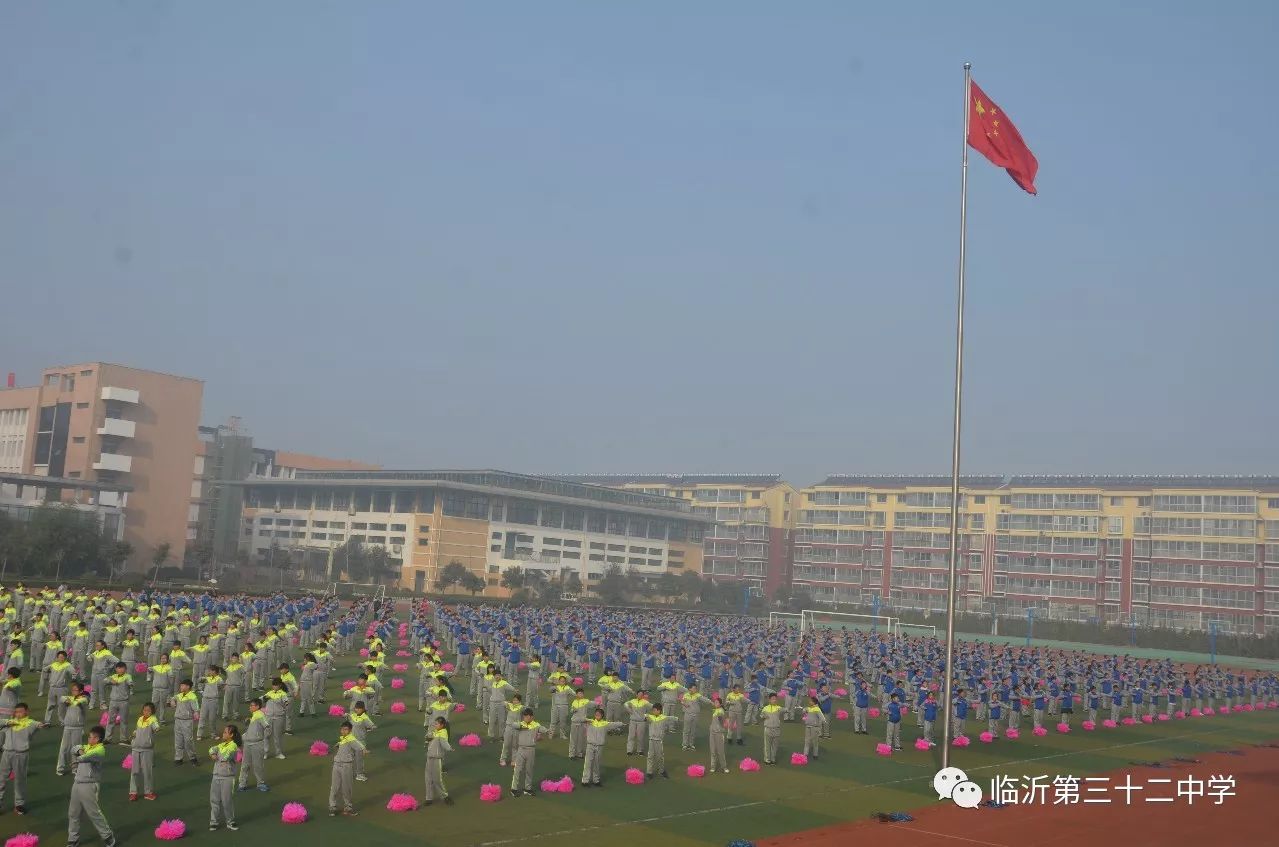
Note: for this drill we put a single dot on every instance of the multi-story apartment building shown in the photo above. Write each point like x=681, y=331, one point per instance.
x=125, y=430
x=486, y=520
x=1176, y=551
x=753, y=515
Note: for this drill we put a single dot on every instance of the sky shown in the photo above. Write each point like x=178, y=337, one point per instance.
x=662, y=237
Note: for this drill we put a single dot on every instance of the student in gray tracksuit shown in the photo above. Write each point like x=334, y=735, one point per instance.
x=597, y=731
x=511, y=730
x=437, y=744
x=16, y=740
x=814, y=723
x=637, y=709
x=120, y=689
x=59, y=674
x=254, y=743
x=162, y=685
x=210, y=703
x=721, y=726
x=526, y=754
x=306, y=686
x=222, y=787
x=658, y=724
x=579, y=715
x=772, y=715
x=342, y=783
x=87, y=759
x=142, y=750
x=186, y=706
x=101, y=661
x=561, y=697
x=75, y=706
x=692, y=704
x=276, y=705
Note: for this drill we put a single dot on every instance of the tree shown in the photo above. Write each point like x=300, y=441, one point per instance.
x=612, y=587
x=573, y=583
x=801, y=598
x=667, y=586
x=201, y=552
x=513, y=578
x=61, y=540
x=691, y=586
x=115, y=554
x=454, y=573
x=160, y=556
x=473, y=583
x=13, y=543
x=537, y=583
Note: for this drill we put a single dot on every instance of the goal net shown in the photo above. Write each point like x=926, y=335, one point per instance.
x=774, y=618
x=352, y=590
x=812, y=619
x=915, y=629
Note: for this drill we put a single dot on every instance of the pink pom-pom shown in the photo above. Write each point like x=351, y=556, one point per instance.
x=348, y=684
x=398, y=745
x=841, y=692
x=522, y=666
x=812, y=692
x=104, y=720
x=1274, y=704
x=458, y=708
x=471, y=740
x=319, y=748
x=922, y=744
x=398, y=708
x=599, y=701
x=239, y=756
x=117, y=719
x=336, y=711
x=1040, y=731
x=1147, y=719
x=1012, y=734
x=550, y=786
x=1063, y=727
x=127, y=762
x=577, y=682
x=1163, y=716
x=812, y=675
x=748, y=765
x=88, y=689
x=839, y=674
x=404, y=642
x=883, y=749
x=293, y=813
x=170, y=830
x=697, y=771
x=1109, y=724
x=435, y=644
x=986, y=737
x=1247, y=707
x=841, y=715
x=140, y=667
x=399, y=667
x=402, y=654
x=798, y=759
x=1089, y=726
x=794, y=663
x=1210, y=711
x=634, y=776
x=873, y=711
x=1128, y=722
x=960, y=741
x=397, y=682
x=1179, y=715
x=447, y=667
x=566, y=785
x=401, y=803
x=364, y=652
x=1238, y=707
x=1196, y=712
x=26, y=839
x=490, y=793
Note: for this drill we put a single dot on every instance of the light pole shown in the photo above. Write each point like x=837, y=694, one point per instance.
x=1212, y=640
x=1030, y=624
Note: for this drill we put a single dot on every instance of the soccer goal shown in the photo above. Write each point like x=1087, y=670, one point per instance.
x=915, y=629
x=351, y=590
x=811, y=619
x=774, y=618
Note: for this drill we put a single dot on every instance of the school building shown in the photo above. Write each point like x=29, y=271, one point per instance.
x=485, y=519
x=1163, y=551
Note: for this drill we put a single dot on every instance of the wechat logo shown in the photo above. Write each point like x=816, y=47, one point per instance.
x=953, y=784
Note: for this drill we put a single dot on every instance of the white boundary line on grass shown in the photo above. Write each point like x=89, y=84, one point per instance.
x=857, y=787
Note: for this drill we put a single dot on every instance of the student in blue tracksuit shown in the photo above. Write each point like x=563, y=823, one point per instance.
x=893, y=737
x=861, y=705
x=930, y=717
x=961, y=712
x=824, y=703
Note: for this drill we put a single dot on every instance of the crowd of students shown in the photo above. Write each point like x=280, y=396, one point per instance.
x=222, y=669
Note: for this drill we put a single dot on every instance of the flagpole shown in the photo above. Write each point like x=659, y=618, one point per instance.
x=949, y=672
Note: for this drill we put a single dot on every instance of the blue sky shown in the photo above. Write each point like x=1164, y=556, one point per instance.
x=713, y=236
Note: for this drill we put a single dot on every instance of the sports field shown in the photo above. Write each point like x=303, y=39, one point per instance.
x=848, y=783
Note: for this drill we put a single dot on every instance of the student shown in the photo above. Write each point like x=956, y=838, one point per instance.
x=526, y=754
x=1040, y=704
x=814, y=723
x=87, y=760
x=735, y=704
x=893, y=737
x=162, y=674
x=658, y=724
x=222, y=788
x=994, y=711
x=254, y=742
x=361, y=723
x=441, y=707
x=721, y=726
x=561, y=698
x=1066, y=707
x=579, y=710
x=637, y=710
x=597, y=731
x=102, y=660
x=772, y=715
x=306, y=687
x=930, y=717
x=1116, y=702
x=511, y=729
x=1094, y=702
x=142, y=751
x=824, y=703
x=10, y=693
x=186, y=706
x=342, y=783
x=276, y=705
x=437, y=744
x=961, y=712
x=75, y=706
x=692, y=704
x=58, y=673
x=16, y=741
x=861, y=706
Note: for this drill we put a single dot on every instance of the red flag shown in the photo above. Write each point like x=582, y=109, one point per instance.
x=994, y=136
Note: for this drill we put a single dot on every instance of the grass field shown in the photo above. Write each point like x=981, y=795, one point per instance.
x=849, y=782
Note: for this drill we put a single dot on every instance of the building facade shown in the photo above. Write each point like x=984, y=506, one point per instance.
x=126, y=430
x=749, y=539
x=488, y=521
x=1182, y=552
